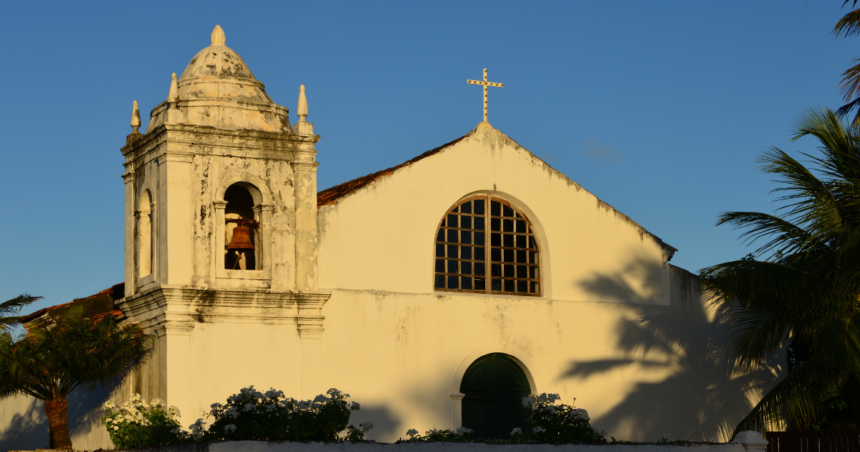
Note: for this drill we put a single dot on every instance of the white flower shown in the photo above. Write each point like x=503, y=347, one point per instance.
x=516, y=431
x=464, y=431
x=355, y=406
x=215, y=406
x=553, y=397
x=270, y=408
x=538, y=430
x=115, y=427
x=109, y=406
x=157, y=403
x=551, y=410
x=528, y=401
x=579, y=414
x=336, y=393
x=411, y=432
x=320, y=399
x=365, y=426
x=198, y=424
x=250, y=407
x=272, y=393
x=229, y=428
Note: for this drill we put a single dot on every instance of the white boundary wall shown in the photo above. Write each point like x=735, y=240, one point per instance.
x=744, y=442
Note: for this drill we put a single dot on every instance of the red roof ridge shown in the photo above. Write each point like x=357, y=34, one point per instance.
x=330, y=196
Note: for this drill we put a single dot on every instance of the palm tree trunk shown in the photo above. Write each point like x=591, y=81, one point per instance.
x=57, y=410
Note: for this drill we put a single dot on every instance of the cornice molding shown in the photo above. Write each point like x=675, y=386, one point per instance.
x=166, y=305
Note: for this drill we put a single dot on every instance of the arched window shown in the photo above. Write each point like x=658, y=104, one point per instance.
x=486, y=245
x=145, y=240
x=241, y=247
x=494, y=387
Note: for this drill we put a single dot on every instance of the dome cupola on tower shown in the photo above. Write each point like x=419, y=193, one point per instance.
x=217, y=89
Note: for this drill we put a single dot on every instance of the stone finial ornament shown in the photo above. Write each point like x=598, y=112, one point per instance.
x=303, y=127
x=135, y=118
x=302, y=110
x=173, y=96
x=218, y=36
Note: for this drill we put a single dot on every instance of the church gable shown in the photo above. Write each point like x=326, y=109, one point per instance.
x=379, y=232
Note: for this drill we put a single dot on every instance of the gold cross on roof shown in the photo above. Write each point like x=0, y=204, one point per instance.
x=485, y=83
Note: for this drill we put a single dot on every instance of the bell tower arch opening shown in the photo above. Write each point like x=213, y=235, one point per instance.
x=145, y=241
x=241, y=228
x=493, y=387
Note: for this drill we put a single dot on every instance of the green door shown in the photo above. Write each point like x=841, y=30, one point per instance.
x=494, y=386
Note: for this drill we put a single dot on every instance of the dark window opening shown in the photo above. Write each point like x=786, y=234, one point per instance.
x=463, y=265
x=241, y=230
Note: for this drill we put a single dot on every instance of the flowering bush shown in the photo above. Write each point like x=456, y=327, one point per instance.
x=354, y=433
x=553, y=423
x=461, y=435
x=667, y=438
x=140, y=424
x=252, y=415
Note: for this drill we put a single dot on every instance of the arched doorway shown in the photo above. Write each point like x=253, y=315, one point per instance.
x=494, y=386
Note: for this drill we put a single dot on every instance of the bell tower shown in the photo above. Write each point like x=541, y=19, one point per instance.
x=220, y=220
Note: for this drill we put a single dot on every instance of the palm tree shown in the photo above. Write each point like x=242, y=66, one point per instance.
x=849, y=25
x=52, y=360
x=9, y=308
x=803, y=283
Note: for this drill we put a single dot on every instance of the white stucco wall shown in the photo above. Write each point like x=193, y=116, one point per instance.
x=381, y=237
x=260, y=446
x=625, y=334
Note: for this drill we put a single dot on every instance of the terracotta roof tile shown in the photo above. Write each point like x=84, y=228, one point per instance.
x=115, y=292
x=331, y=195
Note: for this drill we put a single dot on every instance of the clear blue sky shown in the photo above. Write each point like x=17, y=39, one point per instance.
x=657, y=107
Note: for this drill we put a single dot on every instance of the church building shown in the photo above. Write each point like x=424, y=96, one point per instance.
x=438, y=292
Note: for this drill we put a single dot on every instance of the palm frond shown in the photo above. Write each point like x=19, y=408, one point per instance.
x=755, y=334
x=784, y=236
x=808, y=200
x=9, y=308
x=792, y=295
x=839, y=340
x=14, y=305
x=846, y=109
x=797, y=398
x=75, y=351
x=849, y=25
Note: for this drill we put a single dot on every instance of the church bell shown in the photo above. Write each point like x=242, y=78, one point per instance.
x=241, y=239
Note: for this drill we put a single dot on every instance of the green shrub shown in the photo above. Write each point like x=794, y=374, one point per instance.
x=461, y=435
x=561, y=423
x=252, y=415
x=140, y=424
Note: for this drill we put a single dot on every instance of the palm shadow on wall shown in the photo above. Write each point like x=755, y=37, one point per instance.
x=85, y=409
x=27, y=429
x=701, y=397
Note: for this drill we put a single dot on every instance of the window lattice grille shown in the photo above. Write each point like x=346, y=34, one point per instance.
x=485, y=245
